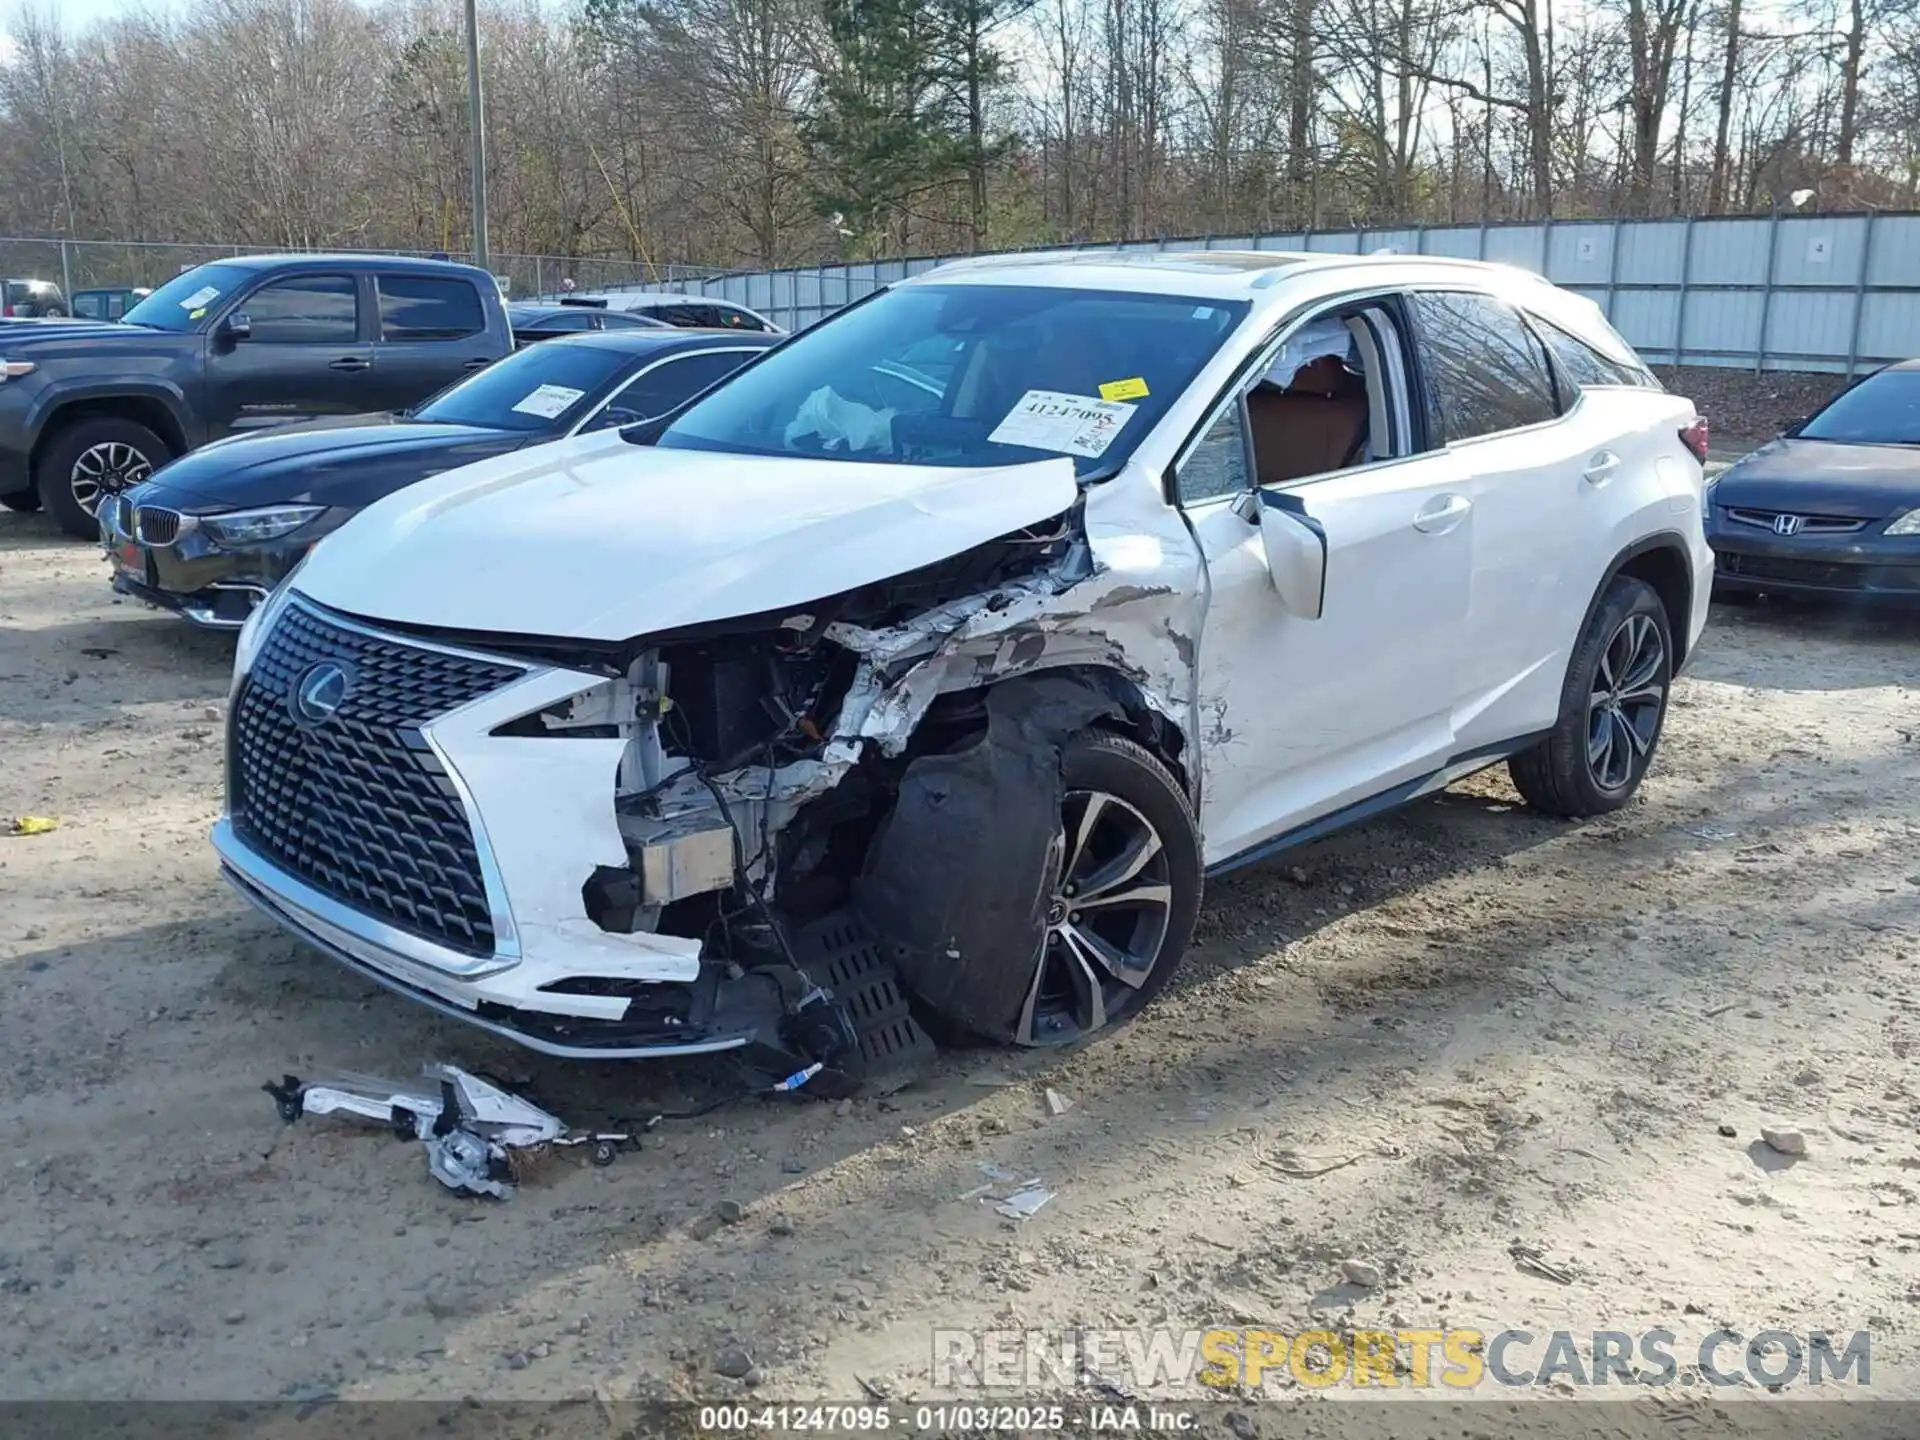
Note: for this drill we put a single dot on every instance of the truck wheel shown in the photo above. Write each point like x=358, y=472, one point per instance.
x=24, y=501
x=90, y=458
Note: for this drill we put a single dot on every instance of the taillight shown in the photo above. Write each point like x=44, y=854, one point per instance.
x=7, y=312
x=1694, y=437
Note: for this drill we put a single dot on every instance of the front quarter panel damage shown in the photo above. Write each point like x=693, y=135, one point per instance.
x=1130, y=600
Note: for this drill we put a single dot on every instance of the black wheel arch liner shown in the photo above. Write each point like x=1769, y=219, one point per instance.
x=950, y=910
x=1668, y=540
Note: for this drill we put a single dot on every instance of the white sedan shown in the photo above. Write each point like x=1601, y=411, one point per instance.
x=925, y=667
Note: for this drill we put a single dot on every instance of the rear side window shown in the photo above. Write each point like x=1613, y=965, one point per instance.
x=730, y=318
x=87, y=307
x=305, y=310
x=672, y=383
x=1485, y=371
x=429, y=307
x=1586, y=366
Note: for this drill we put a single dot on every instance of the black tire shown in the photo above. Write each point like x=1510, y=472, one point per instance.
x=24, y=502
x=1560, y=775
x=54, y=472
x=1098, y=761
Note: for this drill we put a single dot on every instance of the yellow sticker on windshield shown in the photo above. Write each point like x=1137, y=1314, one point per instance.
x=1123, y=389
x=198, y=313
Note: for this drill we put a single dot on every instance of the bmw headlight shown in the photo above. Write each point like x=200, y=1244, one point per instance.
x=256, y=527
x=1907, y=524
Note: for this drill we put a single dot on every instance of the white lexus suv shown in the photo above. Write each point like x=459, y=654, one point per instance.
x=921, y=671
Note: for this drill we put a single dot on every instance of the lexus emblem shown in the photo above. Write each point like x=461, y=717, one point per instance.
x=319, y=691
x=1788, y=524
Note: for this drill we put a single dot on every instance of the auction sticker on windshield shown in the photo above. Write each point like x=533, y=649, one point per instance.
x=547, y=401
x=1064, y=424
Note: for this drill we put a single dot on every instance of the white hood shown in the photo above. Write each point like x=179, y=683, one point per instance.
x=596, y=539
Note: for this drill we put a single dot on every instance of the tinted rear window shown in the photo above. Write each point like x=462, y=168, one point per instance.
x=1586, y=366
x=429, y=307
x=544, y=386
x=1485, y=370
x=1883, y=409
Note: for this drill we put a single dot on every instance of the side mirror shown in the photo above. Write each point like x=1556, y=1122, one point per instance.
x=1296, y=549
x=237, y=326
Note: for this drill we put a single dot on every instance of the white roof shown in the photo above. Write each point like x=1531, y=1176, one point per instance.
x=1221, y=274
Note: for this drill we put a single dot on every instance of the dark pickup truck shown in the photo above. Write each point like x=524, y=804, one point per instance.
x=239, y=345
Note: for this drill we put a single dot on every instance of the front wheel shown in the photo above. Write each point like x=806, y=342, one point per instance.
x=1123, y=909
x=89, y=460
x=1611, y=710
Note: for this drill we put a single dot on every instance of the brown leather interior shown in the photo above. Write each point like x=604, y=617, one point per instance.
x=1312, y=426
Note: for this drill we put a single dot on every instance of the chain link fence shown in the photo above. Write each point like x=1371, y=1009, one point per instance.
x=91, y=264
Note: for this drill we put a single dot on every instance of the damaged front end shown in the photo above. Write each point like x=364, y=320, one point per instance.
x=761, y=834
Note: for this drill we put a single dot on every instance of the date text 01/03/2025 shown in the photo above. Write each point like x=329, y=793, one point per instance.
x=869, y=1419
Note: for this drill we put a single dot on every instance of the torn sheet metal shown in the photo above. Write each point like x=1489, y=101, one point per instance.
x=470, y=1127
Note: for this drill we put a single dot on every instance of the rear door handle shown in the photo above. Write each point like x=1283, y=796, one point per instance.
x=350, y=362
x=1601, y=467
x=1441, y=514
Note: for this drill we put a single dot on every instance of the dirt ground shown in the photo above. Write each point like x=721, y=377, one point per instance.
x=1479, y=1026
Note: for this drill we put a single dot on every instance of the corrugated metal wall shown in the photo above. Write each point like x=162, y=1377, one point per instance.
x=1828, y=292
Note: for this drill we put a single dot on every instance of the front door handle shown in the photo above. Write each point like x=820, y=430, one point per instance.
x=350, y=362
x=1441, y=514
x=1601, y=467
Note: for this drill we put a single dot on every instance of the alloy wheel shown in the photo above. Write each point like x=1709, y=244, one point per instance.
x=106, y=469
x=1624, y=706
x=1107, y=920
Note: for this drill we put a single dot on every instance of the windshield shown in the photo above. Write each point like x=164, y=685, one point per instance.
x=1882, y=409
x=968, y=375
x=183, y=302
x=542, y=387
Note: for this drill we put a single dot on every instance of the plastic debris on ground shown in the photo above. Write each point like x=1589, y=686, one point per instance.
x=1025, y=1202
x=32, y=825
x=479, y=1138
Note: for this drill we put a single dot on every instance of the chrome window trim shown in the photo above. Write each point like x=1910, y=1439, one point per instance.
x=654, y=365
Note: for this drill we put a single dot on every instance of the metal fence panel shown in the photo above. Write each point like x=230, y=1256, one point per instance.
x=1730, y=252
x=1889, y=326
x=1791, y=292
x=1808, y=323
x=1721, y=325
x=1458, y=242
x=1823, y=250
x=1517, y=245
x=1648, y=319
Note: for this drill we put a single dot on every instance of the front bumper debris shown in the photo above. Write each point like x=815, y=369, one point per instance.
x=478, y=1137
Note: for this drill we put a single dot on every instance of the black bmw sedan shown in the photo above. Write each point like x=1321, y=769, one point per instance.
x=210, y=534
x=1831, y=509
